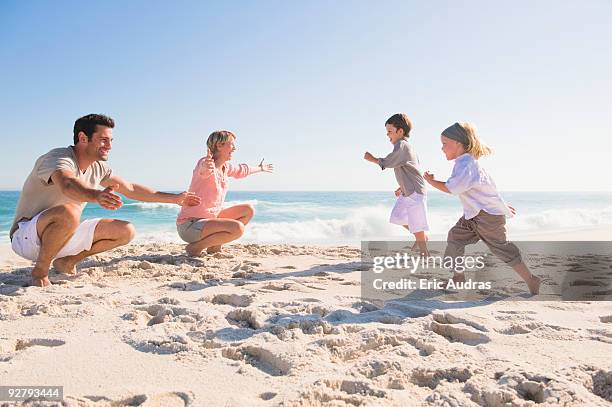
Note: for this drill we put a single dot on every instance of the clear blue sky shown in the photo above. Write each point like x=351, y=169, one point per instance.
x=309, y=84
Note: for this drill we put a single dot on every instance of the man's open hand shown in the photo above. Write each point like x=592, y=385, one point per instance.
x=188, y=199
x=108, y=199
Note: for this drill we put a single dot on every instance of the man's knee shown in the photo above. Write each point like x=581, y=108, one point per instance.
x=113, y=229
x=127, y=232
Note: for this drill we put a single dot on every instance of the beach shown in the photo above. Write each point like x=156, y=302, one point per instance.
x=285, y=325
x=406, y=204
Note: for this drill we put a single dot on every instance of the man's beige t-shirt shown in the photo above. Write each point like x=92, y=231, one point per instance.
x=40, y=193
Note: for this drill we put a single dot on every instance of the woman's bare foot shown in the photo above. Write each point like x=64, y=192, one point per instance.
x=534, y=284
x=213, y=249
x=193, y=250
x=64, y=265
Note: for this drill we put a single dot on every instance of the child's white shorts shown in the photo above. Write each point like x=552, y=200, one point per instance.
x=27, y=244
x=411, y=211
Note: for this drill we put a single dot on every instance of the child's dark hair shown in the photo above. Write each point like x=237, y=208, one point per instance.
x=87, y=124
x=400, y=121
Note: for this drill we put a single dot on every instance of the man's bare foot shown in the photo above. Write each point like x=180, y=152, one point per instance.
x=64, y=265
x=534, y=284
x=40, y=275
x=41, y=281
x=213, y=249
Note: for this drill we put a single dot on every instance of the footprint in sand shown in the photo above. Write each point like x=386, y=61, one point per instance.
x=164, y=311
x=22, y=344
x=267, y=395
x=246, y=318
x=221, y=255
x=236, y=300
x=170, y=399
x=159, y=343
x=517, y=312
x=459, y=330
x=345, y=392
x=518, y=329
x=278, y=286
x=266, y=360
x=431, y=378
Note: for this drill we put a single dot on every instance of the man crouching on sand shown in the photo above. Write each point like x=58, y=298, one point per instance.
x=47, y=222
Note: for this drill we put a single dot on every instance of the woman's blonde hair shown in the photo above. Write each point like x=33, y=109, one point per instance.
x=220, y=136
x=475, y=147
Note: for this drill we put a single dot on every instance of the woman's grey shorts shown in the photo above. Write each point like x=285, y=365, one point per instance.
x=191, y=230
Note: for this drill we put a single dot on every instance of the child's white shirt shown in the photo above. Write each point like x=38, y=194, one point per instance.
x=475, y=188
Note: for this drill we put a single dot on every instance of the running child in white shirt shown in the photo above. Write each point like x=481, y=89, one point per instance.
x=484, y=210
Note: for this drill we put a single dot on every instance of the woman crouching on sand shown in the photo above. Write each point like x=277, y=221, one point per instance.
x=208, y=226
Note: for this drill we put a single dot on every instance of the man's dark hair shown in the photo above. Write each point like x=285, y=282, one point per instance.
x=87, y=124
x=400, y=121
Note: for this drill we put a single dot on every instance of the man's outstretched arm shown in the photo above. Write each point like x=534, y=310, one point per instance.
x=79, y=191
x=145, y=194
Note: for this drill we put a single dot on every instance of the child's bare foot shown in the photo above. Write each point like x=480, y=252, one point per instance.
x=213, y=249
x=534, y=284
x=415, y=245
x=416, y=248
x=64, y=265
x=459, y=277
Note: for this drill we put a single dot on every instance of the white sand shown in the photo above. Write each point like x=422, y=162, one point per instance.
x=284, y=325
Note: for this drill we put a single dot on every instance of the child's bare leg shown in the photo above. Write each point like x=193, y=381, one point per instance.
x=416, y=244
x=421, y=242
x=533, y=282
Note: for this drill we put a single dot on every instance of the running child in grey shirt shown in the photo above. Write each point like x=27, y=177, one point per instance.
x=410, y=209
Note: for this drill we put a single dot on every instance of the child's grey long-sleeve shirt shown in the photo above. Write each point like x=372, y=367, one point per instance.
x=404, y=161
